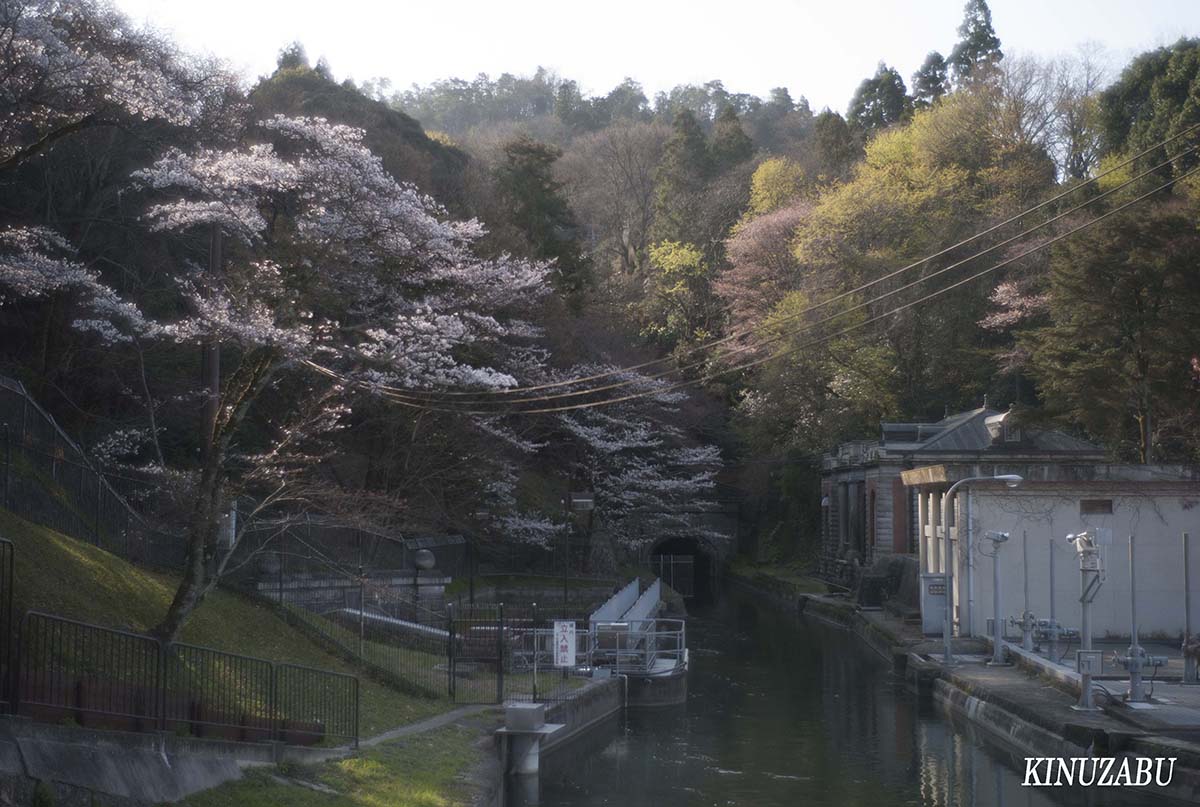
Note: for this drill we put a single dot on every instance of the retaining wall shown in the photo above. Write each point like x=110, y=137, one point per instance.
x=125, y=768
x=587, y=707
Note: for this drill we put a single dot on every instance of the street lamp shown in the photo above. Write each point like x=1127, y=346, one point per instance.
x=1012, y=480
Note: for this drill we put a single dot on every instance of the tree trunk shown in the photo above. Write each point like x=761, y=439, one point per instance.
x=201, y=537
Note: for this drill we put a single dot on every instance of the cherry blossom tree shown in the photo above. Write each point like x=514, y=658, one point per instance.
x=338, y=278
x=70, y=65
x=649, y=478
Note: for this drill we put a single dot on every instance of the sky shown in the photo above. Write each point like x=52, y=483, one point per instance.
x=820, y=50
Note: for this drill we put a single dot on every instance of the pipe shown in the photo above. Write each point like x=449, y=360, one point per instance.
x=1136, y=690
x=1027, y=615
x=968, y=626
x=1053, y=619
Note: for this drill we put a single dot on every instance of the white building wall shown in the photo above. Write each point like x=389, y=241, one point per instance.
x=1157, y=520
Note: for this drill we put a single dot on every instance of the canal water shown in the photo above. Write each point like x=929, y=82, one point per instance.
x=790, y=711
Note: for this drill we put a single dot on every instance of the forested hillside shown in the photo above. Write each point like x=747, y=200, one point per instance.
x=726, y=228
x=447, y=308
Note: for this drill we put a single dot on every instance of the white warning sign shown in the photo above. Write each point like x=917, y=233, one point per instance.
x=564, y=644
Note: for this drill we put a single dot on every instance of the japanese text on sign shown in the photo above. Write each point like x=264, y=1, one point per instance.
x=564, y=644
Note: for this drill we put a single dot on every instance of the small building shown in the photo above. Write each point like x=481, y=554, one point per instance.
x=1154, y=503
x=867, y=511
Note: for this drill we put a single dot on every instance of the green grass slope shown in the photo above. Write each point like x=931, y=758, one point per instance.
x=426, y=770
x=69, y=578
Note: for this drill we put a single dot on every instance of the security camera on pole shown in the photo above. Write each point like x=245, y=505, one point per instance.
x=1091, y=577
x=1012, y=480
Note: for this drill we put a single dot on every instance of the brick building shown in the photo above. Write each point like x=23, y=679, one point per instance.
x=866, y=510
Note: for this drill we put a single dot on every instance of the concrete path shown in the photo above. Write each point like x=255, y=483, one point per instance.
x=429, y=724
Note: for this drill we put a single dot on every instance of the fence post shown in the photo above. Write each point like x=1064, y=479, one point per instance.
x=362, y=607
x=450, y=649
x=536, y=647
x=500, y=654
x=7, y=626
x=356, y=711
x=274, y=712
x=99, y=487
x=7, y=465
x=14, y=675
x=160, y=676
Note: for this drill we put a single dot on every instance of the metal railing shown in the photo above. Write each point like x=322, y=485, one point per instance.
x=402, y=642
x=643, y=647
x=71, y=671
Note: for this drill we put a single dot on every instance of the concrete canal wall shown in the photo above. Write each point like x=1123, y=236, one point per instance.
x=587, y=707
x=1021, y=708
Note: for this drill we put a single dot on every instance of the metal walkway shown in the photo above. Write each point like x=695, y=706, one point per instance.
x=627, y=636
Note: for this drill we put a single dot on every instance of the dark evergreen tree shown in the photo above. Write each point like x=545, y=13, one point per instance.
x=978, y=50
x=1119, y=355
x=627, y=100
x=292, y=57
x=572, y=108
x=837, y=148
x=730, y=144
x=539, y=210
x=931, y=81
x=879, y=101
x=679, y=181
x=781, y=99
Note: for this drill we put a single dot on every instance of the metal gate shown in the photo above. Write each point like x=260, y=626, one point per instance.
x=476, y=653
x=677, y=571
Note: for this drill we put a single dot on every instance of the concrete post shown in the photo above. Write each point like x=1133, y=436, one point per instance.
x=1191, y=675
x=997, y=613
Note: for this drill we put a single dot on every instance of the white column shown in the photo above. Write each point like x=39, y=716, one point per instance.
x=935, y=521
x=922, y=540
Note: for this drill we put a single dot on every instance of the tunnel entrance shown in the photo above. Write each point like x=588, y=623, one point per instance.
x=683, y=565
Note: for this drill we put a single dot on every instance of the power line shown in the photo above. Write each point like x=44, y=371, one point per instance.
x=812, y=325
x=790, y=351
x=746, y=331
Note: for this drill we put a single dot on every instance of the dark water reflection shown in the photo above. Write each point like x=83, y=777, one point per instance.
x=789, y=711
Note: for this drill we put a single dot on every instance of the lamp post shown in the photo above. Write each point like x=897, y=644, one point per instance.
x=1012, y=480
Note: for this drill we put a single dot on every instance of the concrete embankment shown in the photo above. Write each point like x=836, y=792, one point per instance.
x=1024, y=708
x=515, y=761
x=587, y=707
x=80, y=765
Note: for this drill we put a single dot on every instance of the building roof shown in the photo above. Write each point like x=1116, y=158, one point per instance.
x=973, y=433
x=970, y=432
